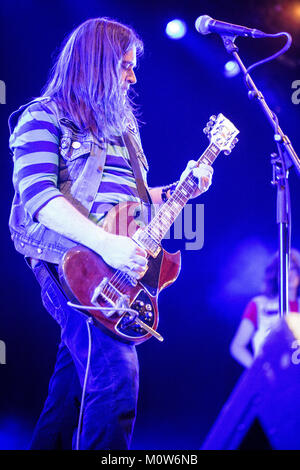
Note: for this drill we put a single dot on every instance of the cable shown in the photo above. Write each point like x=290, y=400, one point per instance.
x=88, y=321
x=273, y=56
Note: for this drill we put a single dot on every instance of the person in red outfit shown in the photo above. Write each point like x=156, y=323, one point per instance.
x=262, y=312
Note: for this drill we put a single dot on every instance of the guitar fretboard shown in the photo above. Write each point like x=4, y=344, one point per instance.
x=167, y=213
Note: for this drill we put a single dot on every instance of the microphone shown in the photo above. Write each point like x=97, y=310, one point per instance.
x=205, y=25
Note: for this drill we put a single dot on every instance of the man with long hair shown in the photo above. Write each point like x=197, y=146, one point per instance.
x=71, y=165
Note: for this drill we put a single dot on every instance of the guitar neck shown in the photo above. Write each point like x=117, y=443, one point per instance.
x=168, y=212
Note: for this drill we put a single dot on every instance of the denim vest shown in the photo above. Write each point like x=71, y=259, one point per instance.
x=82, y=159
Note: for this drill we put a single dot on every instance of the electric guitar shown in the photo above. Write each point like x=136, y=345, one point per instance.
x=124, y=306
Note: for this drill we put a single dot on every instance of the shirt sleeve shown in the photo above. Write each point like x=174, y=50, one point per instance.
x=250, y=312
x=35, y=146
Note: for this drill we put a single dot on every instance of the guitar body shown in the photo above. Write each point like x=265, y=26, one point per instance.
x=89, y=281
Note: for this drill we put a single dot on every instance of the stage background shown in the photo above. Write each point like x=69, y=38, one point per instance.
x=186, y=379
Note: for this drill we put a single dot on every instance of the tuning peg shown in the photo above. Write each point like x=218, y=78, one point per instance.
x=206, y=130
x=213, y=118
x=234, y=142
x=227, y=152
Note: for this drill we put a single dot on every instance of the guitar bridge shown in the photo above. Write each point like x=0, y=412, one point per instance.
x=99, y=291
x=120, y=302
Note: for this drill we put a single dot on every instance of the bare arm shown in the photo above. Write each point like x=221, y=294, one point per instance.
x=155, y=194
x=203, y=173
x=117, y=251
x=242, y=338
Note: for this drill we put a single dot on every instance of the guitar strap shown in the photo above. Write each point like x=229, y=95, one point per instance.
x=143, y=193
x=141, y=188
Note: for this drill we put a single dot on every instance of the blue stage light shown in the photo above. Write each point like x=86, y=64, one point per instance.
x=231, y=68
x=176, y=29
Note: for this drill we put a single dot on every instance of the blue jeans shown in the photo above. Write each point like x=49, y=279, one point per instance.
x=112, y=386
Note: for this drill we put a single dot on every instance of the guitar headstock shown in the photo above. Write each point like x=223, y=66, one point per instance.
x=221, y=132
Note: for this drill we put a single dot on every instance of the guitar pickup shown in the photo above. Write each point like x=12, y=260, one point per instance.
x=144, y=240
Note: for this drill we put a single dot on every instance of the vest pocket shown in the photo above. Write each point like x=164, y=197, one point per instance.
x=74, y=152
x=73, y=147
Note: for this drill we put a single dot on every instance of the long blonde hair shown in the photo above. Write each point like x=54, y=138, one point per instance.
x=85, y=80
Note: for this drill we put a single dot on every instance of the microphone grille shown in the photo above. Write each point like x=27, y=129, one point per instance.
x=202, y=23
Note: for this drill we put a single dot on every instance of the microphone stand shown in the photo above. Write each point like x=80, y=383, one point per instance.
x=287, y=157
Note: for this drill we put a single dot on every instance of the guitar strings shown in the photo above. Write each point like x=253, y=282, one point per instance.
x=120, y=278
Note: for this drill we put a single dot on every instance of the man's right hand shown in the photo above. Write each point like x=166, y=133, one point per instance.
x=118, y=251
x=123, y=253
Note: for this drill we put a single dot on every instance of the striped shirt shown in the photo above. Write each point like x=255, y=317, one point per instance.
x=118, y=183
x=35, y=144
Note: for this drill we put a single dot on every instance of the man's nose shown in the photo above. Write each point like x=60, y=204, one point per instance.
x=131, y=78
